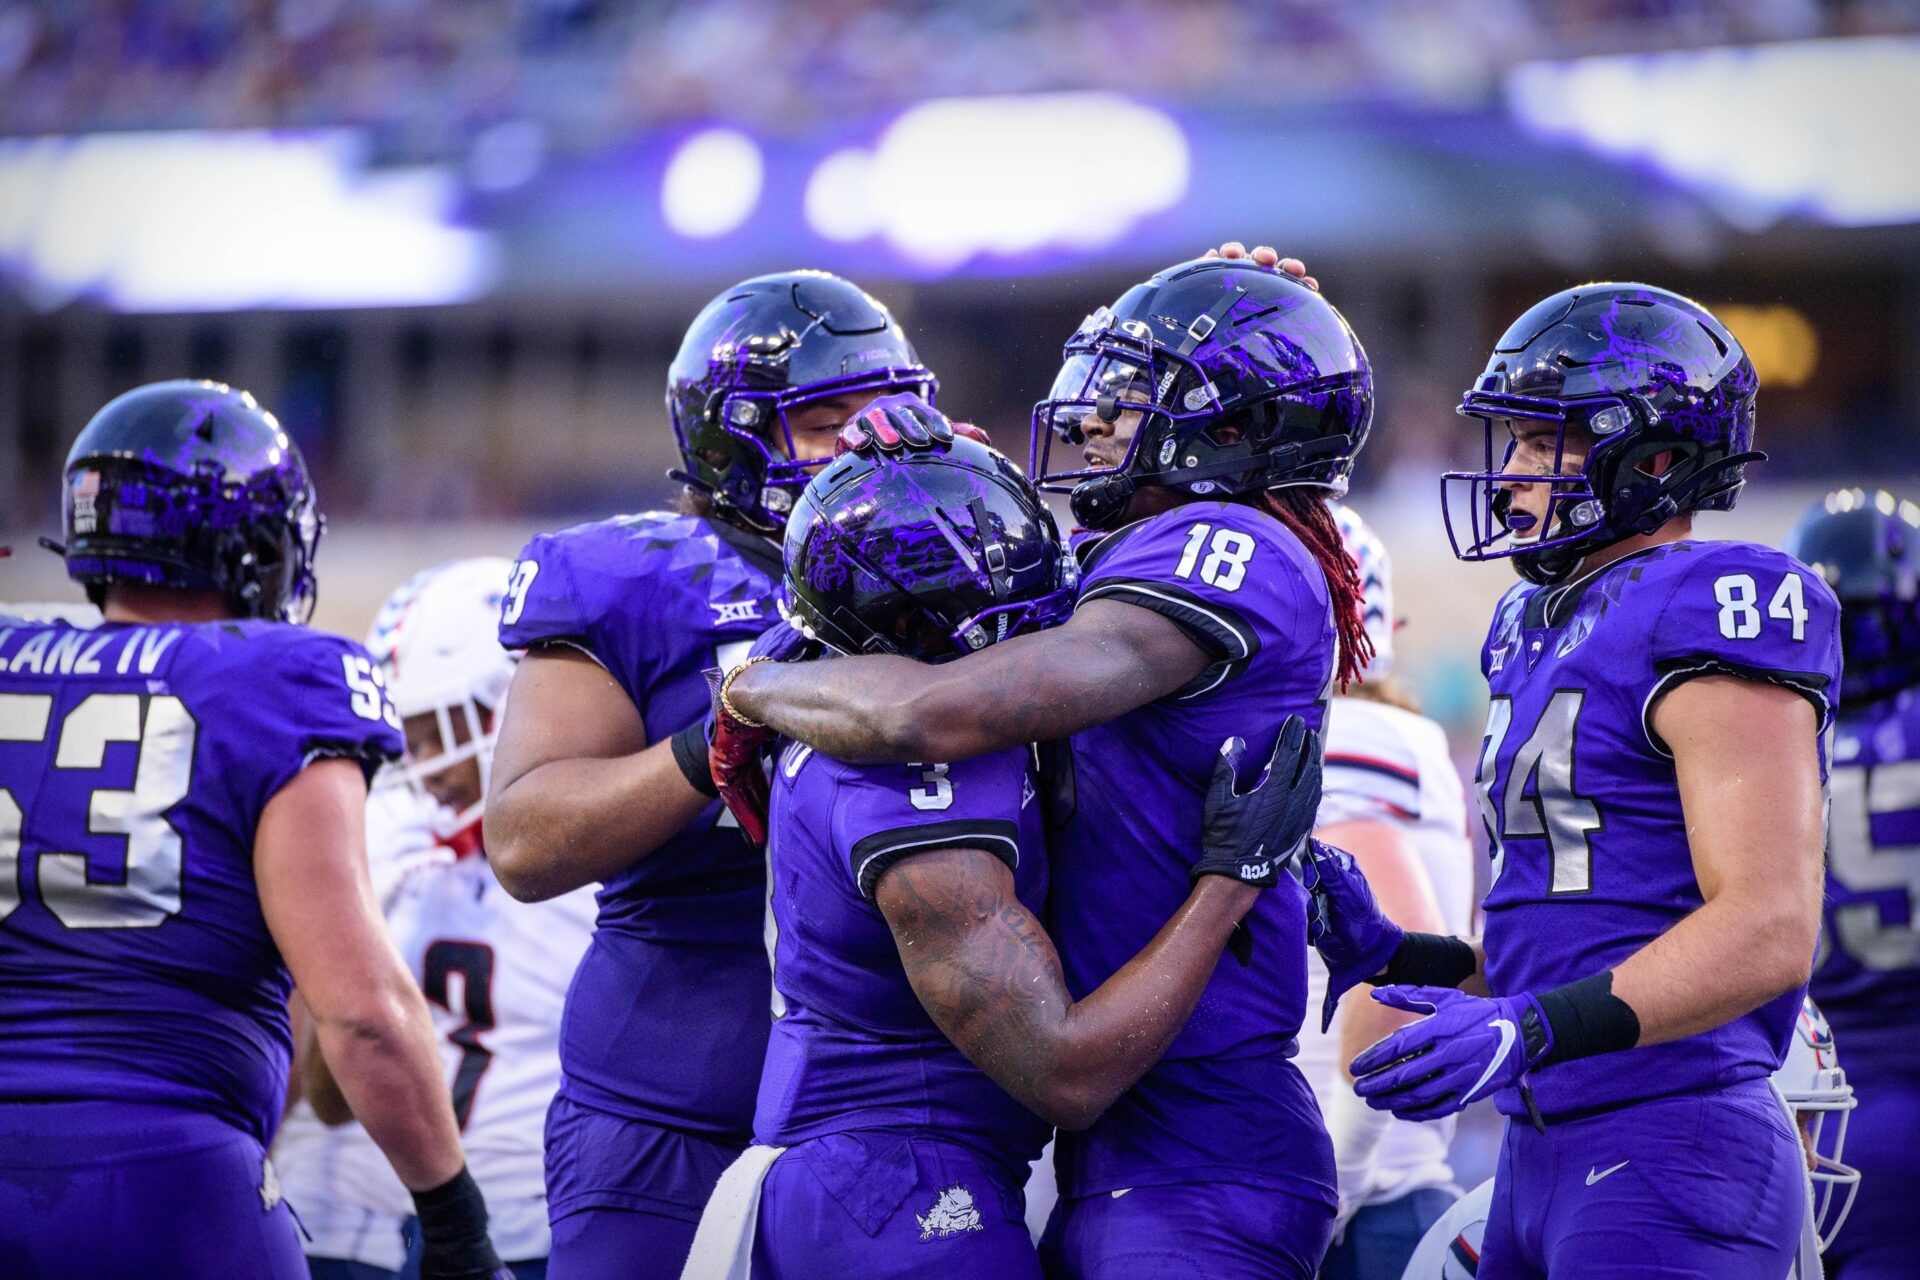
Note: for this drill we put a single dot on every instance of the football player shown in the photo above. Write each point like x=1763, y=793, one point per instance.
x=600, y=772
x=1867, y=547
x=924, y=1041
x=1394, y=800
x=1652, y=779
x=1205, y=416
x=182, y=796
x=495, y=970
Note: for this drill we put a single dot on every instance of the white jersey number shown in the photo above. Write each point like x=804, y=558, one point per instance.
x=1555, y=808
x=1225, y=563
x=1863, y=929
x=937, y=793
x=1738, y=598
x=148, y=892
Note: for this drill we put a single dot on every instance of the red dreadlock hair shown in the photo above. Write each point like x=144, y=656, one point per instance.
x=1304, y=510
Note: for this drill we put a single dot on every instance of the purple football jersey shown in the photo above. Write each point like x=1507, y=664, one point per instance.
x=1579, y=795
x=1867, y=980
x=852, y=1048
x=1129, y=795
x=135, y=762
x=676, y=960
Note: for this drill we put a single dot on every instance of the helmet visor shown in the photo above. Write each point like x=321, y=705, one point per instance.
x=1101, y=406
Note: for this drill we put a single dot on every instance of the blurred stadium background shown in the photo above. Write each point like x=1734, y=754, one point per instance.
x=453, y=242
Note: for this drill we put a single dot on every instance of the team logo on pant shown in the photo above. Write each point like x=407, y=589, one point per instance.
x=269, y=1185
x=951, y=1214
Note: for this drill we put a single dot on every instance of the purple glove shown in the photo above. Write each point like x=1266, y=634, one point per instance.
x=1344, y=922
x=1467, y=1049
x=783, y=642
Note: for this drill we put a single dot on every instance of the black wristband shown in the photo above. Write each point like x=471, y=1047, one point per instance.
x=453, y=1226
x=690, y=753
x=1429, y=960
x=1587, y=1018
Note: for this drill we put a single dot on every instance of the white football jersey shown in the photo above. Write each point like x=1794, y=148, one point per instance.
x=1388, y=765
x=495, y=972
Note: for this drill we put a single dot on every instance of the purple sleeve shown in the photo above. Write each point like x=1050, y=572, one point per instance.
x=883, y=813
x=327, y=698
x=1743, y=610
x=542, y=605
x=1206, y=567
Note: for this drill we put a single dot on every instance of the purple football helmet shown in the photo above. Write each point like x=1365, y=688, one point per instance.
x=1867, y=547
x=756, y=353
x=1241, y=377
x=1639, y=371
x=194, y=486
x=931, y=553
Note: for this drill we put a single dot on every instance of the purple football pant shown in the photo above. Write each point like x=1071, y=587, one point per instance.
x=137, y=1191
x=1700, y=1186
x=1211, y=1231
x=624, y=1196
x=882, y=1205
x=1877, y=1241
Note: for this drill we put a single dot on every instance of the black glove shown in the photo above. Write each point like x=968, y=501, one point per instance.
x=1252, y=835
x=453, y=1229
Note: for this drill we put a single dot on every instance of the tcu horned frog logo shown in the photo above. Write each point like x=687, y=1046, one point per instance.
x=951, y=1214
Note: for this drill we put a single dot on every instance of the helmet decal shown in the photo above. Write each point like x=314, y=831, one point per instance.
x=1230, y=377
x=758, y=353
x=194, y=486
x=1640, y=372
x=929, y=553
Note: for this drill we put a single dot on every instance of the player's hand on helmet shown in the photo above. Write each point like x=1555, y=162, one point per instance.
x=736, y=758
x=1344, y=922
x=1467, y=1048
x=1265, y=256
x=453, y=1232
x=784, y=642
x=902, y=421
x=1252, y=835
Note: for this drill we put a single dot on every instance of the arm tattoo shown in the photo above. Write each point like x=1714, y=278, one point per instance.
x=982, y=966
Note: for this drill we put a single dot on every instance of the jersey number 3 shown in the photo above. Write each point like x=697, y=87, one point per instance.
x=473, y=961
x=148, y=889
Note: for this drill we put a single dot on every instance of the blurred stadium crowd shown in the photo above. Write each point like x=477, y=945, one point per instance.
x=423, y=73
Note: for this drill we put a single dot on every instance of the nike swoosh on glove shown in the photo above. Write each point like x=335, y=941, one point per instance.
x=902, y=421
x=1344, y=923
x=1468, y=1047
x=736, y=756
x=1252, y=835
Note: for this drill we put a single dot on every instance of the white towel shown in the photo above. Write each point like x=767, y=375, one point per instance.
x=723, y=1246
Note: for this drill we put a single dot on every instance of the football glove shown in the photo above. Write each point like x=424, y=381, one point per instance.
x=902, y=421
x=736, y=759
x=1344, y=923
x=1468, y=1047
x=1252, y=835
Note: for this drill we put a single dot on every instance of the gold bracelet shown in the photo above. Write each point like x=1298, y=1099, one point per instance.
x=726, y=687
